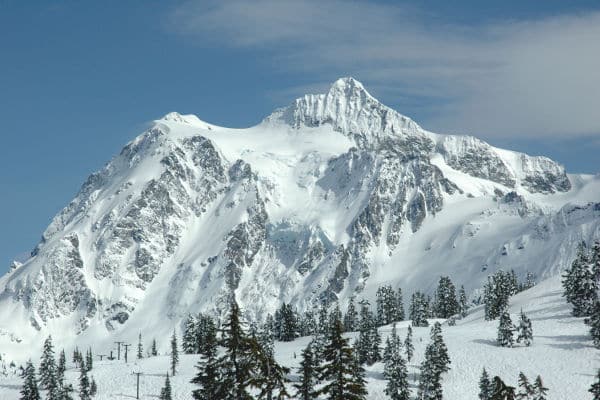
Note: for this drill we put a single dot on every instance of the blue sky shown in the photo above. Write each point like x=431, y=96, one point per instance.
x=80, y=79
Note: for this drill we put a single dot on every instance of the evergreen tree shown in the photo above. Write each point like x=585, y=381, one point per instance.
x=594, y=322
x=236, y=365
x=140, y=347
x=524, y=330
x=408, y=345
x=446, y=303
x=351, y=317
x=153, y=351
x=66, y=392
x=419, y=309
x=286, y=323
x=306, y=387
x=369, y=340
x=595, y=388
x=505, y=331
x=208, y=375
x=84, y=385
x=496, y=293
x=539, y=390
x=89, y=360
x=462, y=302
x=400, y=306
x=29, y=391
x=61, y=368
x=580, y=282
x=174, y=354
x=529, y=281
x=76, y=357
x=165, y=392
x=189, y=343
x=48, y=367
x=501, y=390
x=93, y=387
x=323, y=323
x=437, y=362
x=387, y=305
x=395, y=371
x=485, y=386
x=206, y=334
x=342, y=375
x=526, y=391
x=308, y=326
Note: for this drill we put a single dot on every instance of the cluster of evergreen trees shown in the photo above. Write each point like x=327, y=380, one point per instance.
x=581, y=283
x=52, y=376
x=506, y=330
x=496, y=389
x=199, y=333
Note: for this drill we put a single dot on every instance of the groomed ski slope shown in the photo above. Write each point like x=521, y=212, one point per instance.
x=562, y=353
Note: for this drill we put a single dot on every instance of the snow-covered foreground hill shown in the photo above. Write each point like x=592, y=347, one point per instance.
x=562, y=353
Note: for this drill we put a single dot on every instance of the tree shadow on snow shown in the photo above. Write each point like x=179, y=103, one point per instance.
x=489, y=342
x=551, y=317
x=570, y=342
x=7, y=386
x=374, y=375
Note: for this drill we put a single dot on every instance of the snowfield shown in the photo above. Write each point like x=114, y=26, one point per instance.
x=562, y=353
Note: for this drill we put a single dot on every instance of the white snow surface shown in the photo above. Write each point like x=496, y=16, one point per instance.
x=336, y=194
x=562, y=353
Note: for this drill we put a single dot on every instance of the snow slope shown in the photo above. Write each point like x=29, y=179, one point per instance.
x=562, y=353
x=329, y=197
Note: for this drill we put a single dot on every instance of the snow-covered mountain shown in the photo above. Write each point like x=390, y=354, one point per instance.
x=329, y=197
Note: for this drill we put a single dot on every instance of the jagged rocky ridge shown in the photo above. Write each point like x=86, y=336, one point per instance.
x=189, y=212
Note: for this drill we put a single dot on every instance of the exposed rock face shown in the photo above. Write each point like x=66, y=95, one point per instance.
x=185, y=216
x=475, y=157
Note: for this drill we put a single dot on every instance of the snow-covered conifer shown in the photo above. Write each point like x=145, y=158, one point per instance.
x=29, y=391
x=505, y=331
x=595, y=388
x=408, y=345
x=485, y=386
x=524, y=330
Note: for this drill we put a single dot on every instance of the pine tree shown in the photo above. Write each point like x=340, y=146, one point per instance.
x=66, y=392
x=61, y=368
x=84, y=385
x=581, y=281
x=437, y=362
x=306, y=387
x=539, y=390
x=485, y=386
x=48, y=367
x=594, y=323
x=524, y=330
x=395, y=371
x=342, y=375
x=140, y=347
x=29, y=391
x=400, y=306
x=408, y=345
x=387, y=306
x=369, y=340
x=419, y=309
x=446, y=304
x=271, y=378
x=526, y=391
x=207, y=375
x=93, y=388
x=595, y=388
x=188, y=341
x=502, y=391
x=174, y=354
x=308, y=326
x=286, y=323
x=496, y=294
x=153, y=351
x=505, y=331
x=89, y=360
x=463, y=306
x=76, y=357
x=165, y=392
x=351, y=317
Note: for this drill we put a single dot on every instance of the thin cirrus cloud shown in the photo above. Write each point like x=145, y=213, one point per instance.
x=529, y=78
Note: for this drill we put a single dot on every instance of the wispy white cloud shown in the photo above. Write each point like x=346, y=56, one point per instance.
x=517, y=78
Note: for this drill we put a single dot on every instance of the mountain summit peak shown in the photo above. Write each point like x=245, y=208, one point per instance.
x=350, y=109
